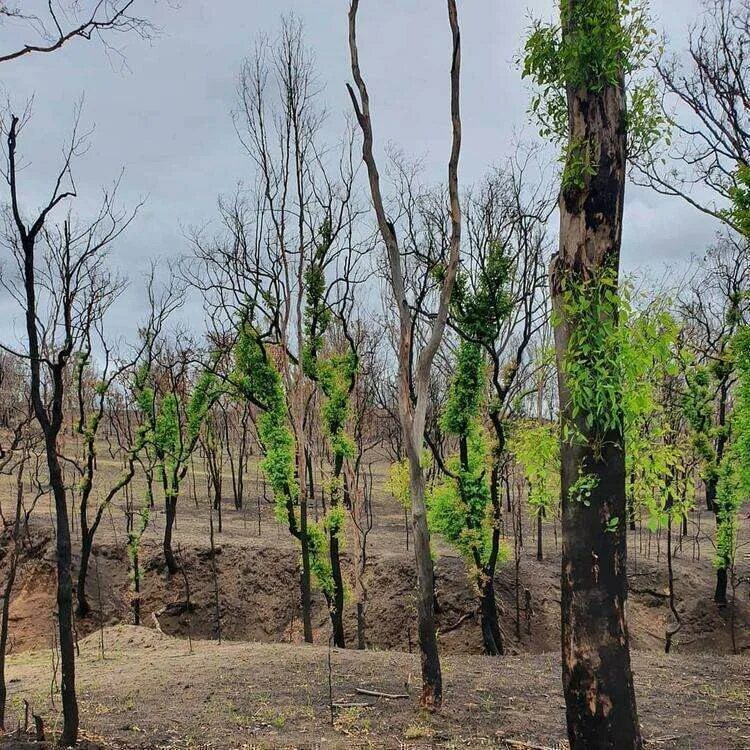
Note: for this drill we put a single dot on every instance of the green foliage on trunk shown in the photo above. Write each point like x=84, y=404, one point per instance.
x=597, y=45
x=733, y=485
x=591, y=308
x=460, y=508
x=257, y=380
x=479, y=311
x=335, y=374
x=465, y=394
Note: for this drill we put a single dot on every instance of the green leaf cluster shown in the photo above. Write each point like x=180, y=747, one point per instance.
x=597, y=44
x=479, y=312
x=739, y=213
x=317, y=315
x=256, y=378
x=592, y=360
x=465, y=392
x=733, y=485
x=536, y=448
x=460, y=509
x=336, y=375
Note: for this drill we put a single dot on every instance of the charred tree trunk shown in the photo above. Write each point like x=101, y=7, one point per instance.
x=597, y=679
x=136, y=589
x=69, y=734
x=720, y=592
x=492, y=637
x=337, y=601
x=83, y=607
x=170, y=508
x=539, y=551
x=305, y=585
x=432, y=680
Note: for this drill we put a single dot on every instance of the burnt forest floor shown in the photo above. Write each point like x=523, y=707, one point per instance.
x=149, y=691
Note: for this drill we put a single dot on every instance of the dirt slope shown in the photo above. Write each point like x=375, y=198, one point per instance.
x=259, y=594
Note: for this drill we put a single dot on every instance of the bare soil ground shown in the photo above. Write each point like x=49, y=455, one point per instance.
x=149, y=691
x=256, y=690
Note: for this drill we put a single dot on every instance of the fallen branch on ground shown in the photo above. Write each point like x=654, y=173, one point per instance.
x=378, y=694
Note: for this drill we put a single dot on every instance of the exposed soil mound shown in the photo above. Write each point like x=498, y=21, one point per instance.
x=259, y=600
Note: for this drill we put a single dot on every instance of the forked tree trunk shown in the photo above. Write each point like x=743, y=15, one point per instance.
x=412, y=412
x=597, y=678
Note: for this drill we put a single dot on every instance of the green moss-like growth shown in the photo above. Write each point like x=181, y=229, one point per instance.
x=599, y=44
x=734, y=470
x=459, y=509
x=465, y=393
x=257, y=380
x=592, y=361
x=536, y=448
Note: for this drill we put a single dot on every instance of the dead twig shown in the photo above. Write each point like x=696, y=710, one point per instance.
x=378, y=694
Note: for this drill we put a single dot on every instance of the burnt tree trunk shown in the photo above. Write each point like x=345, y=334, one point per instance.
x=336, y=604
x=170, y=508
x=720, y=592
x=69, y=734
x=305, y=585
x=597, y=678
x=83, y=607
x=432, y=680
x=539, y=550
x=492, y=637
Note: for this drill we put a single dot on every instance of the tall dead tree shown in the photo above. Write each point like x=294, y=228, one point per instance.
x=414, y=386
x=63, y=292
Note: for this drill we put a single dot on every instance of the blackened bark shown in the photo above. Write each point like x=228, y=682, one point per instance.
x=69, y=734
x=337, y=603
x=432, y=679
x=136, y=572
x=720, y=592
x=170, y=508
x=305, y=586
x=597, y=678
x=539, y=551
x=83, y=608
x=492, y=637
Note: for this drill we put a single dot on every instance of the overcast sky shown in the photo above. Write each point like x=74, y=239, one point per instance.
x=165, y=118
